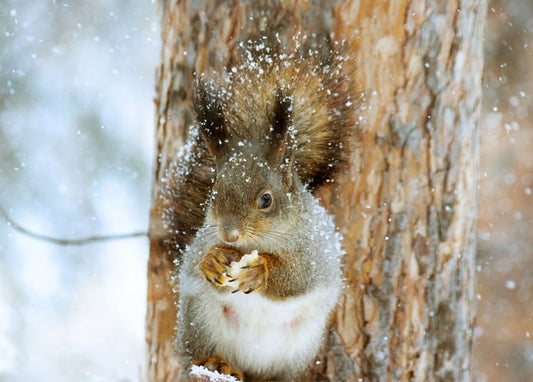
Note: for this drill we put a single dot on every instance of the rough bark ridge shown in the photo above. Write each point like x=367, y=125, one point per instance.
x=407, y=205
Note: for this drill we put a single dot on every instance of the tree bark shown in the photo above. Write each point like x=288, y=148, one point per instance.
x=407, y=205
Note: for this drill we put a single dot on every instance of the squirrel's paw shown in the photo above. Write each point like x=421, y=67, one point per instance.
x=216, y=265
x=249, y=274
x=218, y=364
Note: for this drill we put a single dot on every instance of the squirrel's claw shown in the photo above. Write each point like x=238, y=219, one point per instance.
x=253, y=276
x=215, y=265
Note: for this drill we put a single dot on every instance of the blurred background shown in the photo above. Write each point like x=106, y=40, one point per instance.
x=76, y=145
x=503, y=341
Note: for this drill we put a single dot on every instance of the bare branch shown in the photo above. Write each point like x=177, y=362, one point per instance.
x=61, y=241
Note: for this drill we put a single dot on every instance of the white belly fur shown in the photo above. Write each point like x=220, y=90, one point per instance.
x=262, y=335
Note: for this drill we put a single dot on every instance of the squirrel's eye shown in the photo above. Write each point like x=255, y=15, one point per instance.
x=265, y=201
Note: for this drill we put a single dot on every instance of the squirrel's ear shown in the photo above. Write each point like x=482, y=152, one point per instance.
x=280, y=137
x=210, y=116
x=281, y=153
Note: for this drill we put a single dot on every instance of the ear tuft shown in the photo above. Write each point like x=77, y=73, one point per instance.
x=210, y=116
x=281, y=120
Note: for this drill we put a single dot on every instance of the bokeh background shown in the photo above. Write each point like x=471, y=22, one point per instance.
x=76, y=150
x=503, y=343
x=76, y=144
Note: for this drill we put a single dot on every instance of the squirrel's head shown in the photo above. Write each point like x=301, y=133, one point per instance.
x=255, y=193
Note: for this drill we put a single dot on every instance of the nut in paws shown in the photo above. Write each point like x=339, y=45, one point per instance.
x=248, y=274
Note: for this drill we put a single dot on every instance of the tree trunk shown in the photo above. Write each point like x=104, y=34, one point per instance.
x=406, y=207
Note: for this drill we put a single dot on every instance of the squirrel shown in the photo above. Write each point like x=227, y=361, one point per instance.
x=262, y=276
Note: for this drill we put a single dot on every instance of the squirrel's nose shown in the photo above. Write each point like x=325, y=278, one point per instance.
x=230, y=235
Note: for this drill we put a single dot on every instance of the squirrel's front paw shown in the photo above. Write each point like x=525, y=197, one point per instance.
x=216, y=265
x=249, y=274
x=218, y=364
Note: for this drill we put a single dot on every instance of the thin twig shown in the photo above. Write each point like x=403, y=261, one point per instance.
x=79, y=241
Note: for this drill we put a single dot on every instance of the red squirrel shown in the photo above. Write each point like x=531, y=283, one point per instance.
x=260, y=279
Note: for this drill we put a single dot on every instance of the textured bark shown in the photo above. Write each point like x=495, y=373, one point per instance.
x=407, y=205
